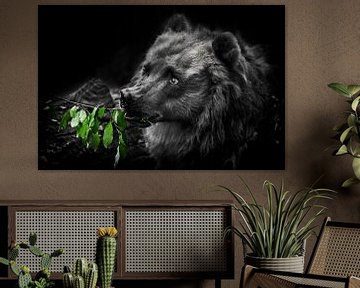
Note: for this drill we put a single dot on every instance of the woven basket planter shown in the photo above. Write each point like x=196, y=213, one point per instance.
x=291, y=264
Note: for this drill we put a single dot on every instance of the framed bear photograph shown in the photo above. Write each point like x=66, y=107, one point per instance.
x=165, y=87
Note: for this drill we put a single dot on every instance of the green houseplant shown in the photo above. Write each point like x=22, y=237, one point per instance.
x=348, y=133
x=279, y=229
x=42, y=278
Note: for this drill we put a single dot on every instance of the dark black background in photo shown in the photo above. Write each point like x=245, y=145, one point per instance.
x=76, y=43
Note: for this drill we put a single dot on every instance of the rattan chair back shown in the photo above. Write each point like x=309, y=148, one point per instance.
x=337, y=252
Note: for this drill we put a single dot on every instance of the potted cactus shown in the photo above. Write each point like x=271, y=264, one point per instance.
x=106, y=254
x=42, y=278
x=84, y=275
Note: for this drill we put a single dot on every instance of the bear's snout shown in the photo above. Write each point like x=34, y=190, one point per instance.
x=128, y=98
x=131, y=102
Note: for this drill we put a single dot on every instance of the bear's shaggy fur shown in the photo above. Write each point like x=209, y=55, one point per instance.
x=205, y=93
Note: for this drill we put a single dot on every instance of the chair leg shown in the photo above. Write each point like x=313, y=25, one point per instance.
x=217, y=283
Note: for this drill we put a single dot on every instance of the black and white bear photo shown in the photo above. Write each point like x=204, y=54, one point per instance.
x=199, y=87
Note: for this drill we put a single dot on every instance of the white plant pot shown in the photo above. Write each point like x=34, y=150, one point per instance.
x=291, y=264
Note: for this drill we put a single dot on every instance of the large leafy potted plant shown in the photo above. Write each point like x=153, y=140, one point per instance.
x=348, y=132
x=276, y=233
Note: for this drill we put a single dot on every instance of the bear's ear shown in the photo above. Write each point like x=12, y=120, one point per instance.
x=177, y=23
x=226, y=48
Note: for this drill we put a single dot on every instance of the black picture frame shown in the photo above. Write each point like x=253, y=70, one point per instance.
x=77, y=43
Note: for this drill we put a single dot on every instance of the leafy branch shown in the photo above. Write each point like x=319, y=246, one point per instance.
x=96, y=126
x=348, y=132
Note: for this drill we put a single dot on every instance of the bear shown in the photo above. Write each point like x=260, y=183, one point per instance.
x=204, y=95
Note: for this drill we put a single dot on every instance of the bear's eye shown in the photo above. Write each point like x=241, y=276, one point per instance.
x=173, y=81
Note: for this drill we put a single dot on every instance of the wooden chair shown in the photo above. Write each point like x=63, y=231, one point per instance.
x=335, y=262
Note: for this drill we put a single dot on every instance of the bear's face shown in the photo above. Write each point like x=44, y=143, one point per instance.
x=196, y=87
x=173, y=80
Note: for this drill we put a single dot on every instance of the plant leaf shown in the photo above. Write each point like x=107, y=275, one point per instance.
x=101, y=112
x=354, y=145
x=121, y=120
x=355, y=103
x=73, y=111
x=14, y=268
x=117, y=156
x=75, y=121
x=121, y=150
x=94, y=111
x=108, y=135
x=94, y=140
x=65, y=120
x=82, y=115
x=122, y=146
x=340, y=88
x=118, y=116
x=342, y=150
x=349, y=182
x=4, y=261
x=356, y=167
x=353, y=89
x=351, y=120
x=84, y=131
x=345, y=134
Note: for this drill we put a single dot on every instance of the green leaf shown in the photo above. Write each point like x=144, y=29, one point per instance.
x=94, y=140
x=101, y=112
x=14, y=268
x=91, y=119
x=117, y=156
x=354, y=145
x=349, y=182
x=75, y=121
x=122, y=146
x=356, y=167
x=65, y=120
x=342, y=150
x=73, y=111
x=351, y=120
x=94, y=111
x=95, y=126
x=82, y=115
x=340, y=88
x=353, y=89
x=118, y=116
x=114, y=115
x=355, y=103
x=108, y=135
x=121, y=120
x=4, y=261
x=84, y=131
x=345, y=134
